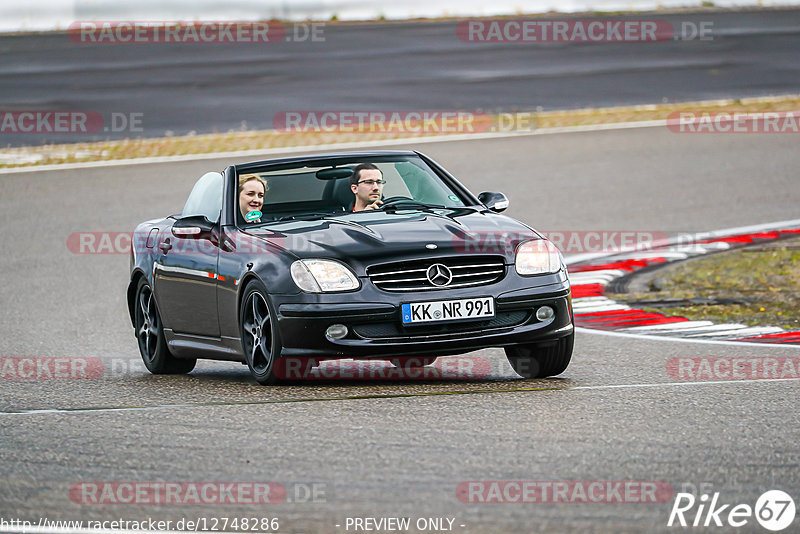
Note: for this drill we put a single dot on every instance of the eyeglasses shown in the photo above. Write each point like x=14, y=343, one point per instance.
x=372, y=182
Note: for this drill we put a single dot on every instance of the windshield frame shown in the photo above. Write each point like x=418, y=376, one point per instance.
x=467, y=199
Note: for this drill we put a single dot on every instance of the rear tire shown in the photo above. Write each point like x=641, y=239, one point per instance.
x=540, y=360
x=150, y=335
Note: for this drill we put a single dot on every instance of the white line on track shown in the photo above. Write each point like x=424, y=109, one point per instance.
x=674, y=384
x=683, y=326
x=406, y=395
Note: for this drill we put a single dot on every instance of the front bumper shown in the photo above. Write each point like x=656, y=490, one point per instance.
x=375, y=330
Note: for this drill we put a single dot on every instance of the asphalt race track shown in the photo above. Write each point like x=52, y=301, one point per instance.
x=384, y=449
x=346, y=450
x=185, y=87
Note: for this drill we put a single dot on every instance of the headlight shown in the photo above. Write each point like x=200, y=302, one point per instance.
x=322, y=276
x=539, y=256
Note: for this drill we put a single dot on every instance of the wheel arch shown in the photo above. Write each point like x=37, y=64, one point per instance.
x=137, y=275
x=248, y=277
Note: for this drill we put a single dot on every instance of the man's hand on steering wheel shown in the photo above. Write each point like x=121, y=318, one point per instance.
x=374, y=206
x=394, y=200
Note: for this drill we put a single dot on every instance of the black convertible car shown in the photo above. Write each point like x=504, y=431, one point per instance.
x=370, y=255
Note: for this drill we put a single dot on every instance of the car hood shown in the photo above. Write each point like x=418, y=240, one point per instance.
x=363, y=239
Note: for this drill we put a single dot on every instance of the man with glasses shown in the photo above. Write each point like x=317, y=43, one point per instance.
x=367, y=185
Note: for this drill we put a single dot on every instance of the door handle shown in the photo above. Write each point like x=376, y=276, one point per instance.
x=165, y=245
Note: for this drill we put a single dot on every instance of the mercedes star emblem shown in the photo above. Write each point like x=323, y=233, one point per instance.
x=439, y=275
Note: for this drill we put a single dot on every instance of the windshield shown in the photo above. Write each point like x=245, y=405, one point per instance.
x=400, y=182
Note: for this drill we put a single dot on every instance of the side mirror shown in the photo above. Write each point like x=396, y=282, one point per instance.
x=196, y=226
x=496, y=202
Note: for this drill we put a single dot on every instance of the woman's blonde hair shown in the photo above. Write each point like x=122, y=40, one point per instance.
x=244, y=178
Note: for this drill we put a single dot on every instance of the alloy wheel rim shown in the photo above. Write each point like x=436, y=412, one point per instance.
x=257, y=333
x=148, y=324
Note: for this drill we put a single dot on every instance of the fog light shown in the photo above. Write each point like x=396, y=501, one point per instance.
x=336, y=331
x=544, y=313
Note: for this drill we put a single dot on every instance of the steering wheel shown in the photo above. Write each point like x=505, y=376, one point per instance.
x=394, y=200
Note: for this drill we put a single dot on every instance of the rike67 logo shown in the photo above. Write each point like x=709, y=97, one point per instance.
x=774, y=510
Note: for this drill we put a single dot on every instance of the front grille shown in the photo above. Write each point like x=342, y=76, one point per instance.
x=412, y=275
x=396, y=330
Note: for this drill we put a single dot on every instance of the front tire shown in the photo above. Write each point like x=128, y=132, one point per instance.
x=259, y=333
x=150, y=335
x=540, y=360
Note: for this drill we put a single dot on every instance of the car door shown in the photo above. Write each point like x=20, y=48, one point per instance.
x=186, y=266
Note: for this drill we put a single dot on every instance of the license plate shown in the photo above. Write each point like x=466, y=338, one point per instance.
x=447, y=310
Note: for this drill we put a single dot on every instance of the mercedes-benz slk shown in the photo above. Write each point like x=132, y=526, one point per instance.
x=430, y=270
